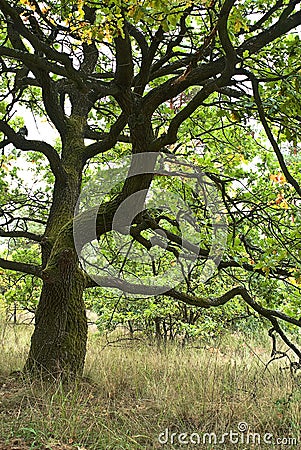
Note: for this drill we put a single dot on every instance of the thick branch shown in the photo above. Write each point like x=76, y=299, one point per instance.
x=21, y=234
x=30, y=269
x=280, y=28
x=139, y=37
x=124, y=61
x=132, y=288
x=231, y=57
x=100, y=136
x=31, y=145
x=171, y=136
x=33, y=61
x=241, y=291
x=108, y=142
x=41, y=69
x=173, y=87
x=90, y=58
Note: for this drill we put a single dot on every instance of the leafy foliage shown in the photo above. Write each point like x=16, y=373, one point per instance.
x=211, y=88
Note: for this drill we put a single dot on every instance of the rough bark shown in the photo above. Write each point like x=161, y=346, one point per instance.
x=58, y=344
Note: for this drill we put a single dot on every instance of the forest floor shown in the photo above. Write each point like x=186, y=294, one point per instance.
x=138, y=396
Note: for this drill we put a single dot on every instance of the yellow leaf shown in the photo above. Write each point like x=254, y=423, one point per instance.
x=237, y=26
x=284, y=204
x=25, y=2
x=279, y=199
x=278, y=178
x=234, y=116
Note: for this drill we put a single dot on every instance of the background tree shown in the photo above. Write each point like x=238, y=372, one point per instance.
x=188, y=79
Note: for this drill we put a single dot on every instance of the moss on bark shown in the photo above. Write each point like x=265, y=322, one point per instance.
x=58, y=344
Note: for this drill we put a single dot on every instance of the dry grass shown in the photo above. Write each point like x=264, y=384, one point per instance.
x=132, y=394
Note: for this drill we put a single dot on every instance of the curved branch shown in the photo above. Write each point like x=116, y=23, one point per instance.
x=155, y=68
x=100, y=136
x=148, y=55
x=171, y=136
x=277, y=328
x=266, y=16
x=210, y=87
x=33, y=61
x=203, y=72
x=31, y=145
x=258, y=101
x=139, y=37
x=201, y=302
x=222, y=26
x=175, y=86
x=39, y=44
x=108, y=142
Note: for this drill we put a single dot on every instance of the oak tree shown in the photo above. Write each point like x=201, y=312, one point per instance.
x=215, y=83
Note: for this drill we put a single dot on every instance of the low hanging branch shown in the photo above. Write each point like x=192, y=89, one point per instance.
x=202, y=302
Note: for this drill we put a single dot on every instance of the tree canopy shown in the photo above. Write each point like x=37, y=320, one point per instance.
x=176, y=169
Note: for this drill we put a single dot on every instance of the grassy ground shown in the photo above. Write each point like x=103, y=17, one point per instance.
x=132, y=394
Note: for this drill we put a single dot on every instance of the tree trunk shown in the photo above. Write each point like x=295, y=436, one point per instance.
x=58, y=344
